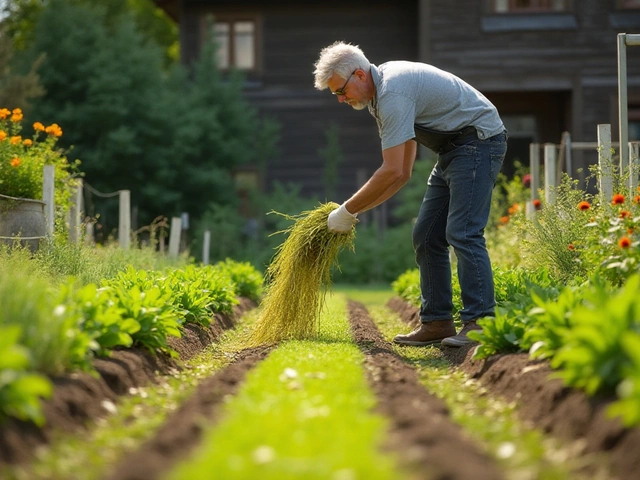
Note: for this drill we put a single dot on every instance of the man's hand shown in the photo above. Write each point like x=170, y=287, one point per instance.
x=340, y=220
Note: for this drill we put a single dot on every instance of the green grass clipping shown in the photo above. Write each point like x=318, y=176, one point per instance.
x=298, y=277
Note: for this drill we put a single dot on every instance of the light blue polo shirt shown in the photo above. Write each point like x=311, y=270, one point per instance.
x=409, y=93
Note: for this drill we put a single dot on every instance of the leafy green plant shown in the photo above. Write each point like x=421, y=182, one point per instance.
x=501, y=334
x=246, y=278
x=97, y=315
x=628, y=405
x=152, y=310
x=592, y=357
x=20, y=390
x=55, y=342
x=201, y=292
x=407, y=286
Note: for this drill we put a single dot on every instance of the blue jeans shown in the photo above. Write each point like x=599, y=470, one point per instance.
x=454, y=212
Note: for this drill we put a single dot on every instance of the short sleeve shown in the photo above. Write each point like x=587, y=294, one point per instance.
x=397, y=117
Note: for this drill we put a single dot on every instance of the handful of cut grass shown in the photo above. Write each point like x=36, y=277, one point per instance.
x=299, y=277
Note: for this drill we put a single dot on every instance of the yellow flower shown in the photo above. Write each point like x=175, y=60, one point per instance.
x=15, y=162
x=17, y=115
x=3, y=135
x=38, y=127
x=54, y=129
x=27, y=142
x=4, y=113
x=16, y=140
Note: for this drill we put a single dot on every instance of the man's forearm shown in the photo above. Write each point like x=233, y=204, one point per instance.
x=382, y=185
x=386, y=195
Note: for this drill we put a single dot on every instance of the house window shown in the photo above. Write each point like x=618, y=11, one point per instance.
x=236, y=40
x=530, y=6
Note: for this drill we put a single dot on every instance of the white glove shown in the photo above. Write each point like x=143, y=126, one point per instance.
x=340, y=220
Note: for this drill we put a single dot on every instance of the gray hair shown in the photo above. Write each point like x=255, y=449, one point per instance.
x=339, y=58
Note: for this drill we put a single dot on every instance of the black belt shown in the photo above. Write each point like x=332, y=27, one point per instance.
x=441, y=142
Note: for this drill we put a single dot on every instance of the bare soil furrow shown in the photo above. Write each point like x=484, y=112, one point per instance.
x=183, y=429
x=422, y=433
x=567, y=414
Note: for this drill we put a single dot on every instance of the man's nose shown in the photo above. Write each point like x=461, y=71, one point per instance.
x=342, y=98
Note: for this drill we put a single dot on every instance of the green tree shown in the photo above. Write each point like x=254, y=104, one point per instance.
x=171, y=137
x=16, y=90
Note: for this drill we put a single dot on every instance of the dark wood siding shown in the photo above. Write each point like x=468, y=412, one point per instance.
x=292, y=37
x=563, y=72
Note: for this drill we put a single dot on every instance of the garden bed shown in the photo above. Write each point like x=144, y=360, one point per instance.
x=430, y=443
x=80, y=397
x=566, y=413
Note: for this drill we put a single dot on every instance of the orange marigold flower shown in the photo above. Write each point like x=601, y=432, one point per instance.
x=4, y=113
x=3, y=135
x=54, y=129
x=636, y=199
x=17, y=115
x=630, y=230
x=27, y=142
x=16, y=140
x=15, y=162
x=504, y=220
x=618, y=199
x=584, y=205
x=571, y=247
x=625, y=214
x=624, y=242
x=537, y=204
x=38, y=127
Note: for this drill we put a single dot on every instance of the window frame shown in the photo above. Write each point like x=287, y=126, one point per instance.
x=232, y=18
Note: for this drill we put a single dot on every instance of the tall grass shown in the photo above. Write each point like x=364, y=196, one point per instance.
x=299, y=276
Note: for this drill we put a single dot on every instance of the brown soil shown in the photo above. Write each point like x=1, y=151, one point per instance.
x=80, y=397
x=424, y=436
x=566, y=413
x=182, y=431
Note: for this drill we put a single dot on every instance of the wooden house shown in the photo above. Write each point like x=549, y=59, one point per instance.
x=548, y=65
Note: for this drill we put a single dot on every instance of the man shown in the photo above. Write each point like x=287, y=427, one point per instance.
x=418, y=102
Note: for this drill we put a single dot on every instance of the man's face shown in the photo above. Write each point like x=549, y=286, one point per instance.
x=349, y=90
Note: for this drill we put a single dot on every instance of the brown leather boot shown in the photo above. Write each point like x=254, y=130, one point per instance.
x=428, y=333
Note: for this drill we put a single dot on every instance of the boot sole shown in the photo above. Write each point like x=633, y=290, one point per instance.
x=417, y=344
x=457, y=343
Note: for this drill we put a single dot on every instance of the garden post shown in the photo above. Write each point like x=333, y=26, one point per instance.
x=48, y=191
x=605, y=182
x=174, y=237
x=206, y=244
x=124, y=224
x=75, y=213
x=88, y=234
x=534, y=170
x=550, y=173
x=634, y=165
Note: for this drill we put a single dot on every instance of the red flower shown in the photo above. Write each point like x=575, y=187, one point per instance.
x=618, y=199
x=636, y=199
x=584, y=205
x=504, y=220
x=537, y=204
x=625, y=214
x=624, y=242
x=571, y=247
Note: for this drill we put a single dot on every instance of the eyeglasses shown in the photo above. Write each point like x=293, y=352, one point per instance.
x=340, y=91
